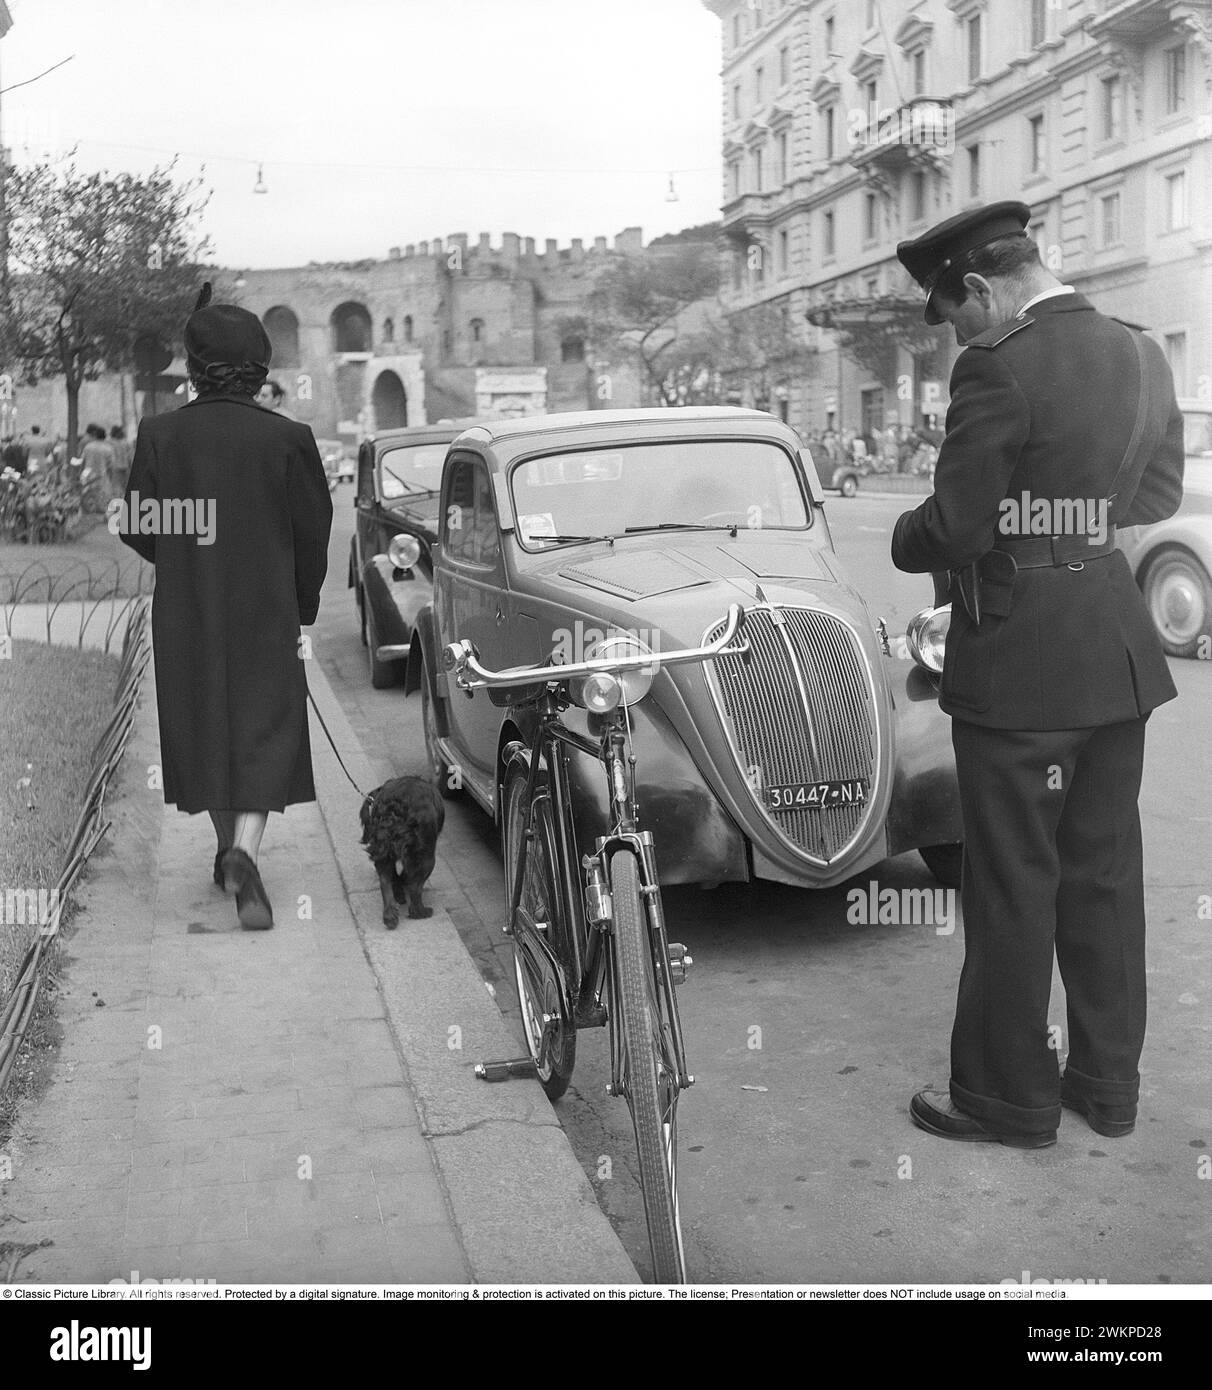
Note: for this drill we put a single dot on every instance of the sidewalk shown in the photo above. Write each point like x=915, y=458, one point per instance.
x=289, y=1106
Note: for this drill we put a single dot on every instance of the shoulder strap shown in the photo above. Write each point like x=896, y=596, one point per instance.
x=1127, y=477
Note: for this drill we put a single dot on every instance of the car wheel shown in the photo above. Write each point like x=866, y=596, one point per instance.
x=1179, y=595
x=439, y=769
x=383, y=674
x=944, y=862
x=848, y=486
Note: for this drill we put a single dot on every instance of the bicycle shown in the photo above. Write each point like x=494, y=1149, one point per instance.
x=590, y=945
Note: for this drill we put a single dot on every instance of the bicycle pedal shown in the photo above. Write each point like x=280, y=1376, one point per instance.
x=680, y=961
x=505, y=1070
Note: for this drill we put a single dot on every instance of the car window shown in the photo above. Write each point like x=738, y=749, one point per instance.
x=1197, y=433
x=751, y=483
x=366, y=487
x=469, y=527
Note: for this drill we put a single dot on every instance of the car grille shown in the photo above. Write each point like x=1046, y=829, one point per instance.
x=801, y=709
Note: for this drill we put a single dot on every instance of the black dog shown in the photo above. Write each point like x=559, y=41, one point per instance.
x=401, y=822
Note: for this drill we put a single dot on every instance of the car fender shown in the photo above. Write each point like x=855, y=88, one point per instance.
x=423, y=652
x=924, y=808
x=395, y=597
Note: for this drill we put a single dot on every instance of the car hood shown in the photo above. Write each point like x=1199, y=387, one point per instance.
x=682, y=584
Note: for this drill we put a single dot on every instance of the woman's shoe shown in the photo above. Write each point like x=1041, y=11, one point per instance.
x=240, y=876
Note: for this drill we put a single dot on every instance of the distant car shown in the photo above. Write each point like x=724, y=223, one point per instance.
x=399, y=473
x=337, y=459
x=809, y=760
x=840, y=475
x=1172, y=559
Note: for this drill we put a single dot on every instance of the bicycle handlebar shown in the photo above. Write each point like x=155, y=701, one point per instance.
x=461, y=658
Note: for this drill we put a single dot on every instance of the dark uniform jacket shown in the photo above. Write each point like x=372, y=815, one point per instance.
x=1045, y=405
x=230, y=681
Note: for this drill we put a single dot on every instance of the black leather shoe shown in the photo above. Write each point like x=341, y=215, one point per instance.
x=218, y=874
x=936, y=1113
x=241, y=877
x=1112, y=1120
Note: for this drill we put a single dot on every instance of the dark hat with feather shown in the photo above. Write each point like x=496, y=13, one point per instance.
x=227, y=347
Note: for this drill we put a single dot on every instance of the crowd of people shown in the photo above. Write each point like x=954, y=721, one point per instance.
x=897, y=449
x=104, y=460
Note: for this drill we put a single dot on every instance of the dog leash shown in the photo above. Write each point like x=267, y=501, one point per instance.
x=336, y=753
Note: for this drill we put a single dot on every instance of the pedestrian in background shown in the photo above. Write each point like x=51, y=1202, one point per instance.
x=230, y=682
x=1052, y=667
x=97, y=474
x=124, y=452
x=39, y=450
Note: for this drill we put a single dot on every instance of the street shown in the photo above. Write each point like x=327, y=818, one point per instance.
x=808, y=1034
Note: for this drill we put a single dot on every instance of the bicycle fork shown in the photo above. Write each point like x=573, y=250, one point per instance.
x=671, y=961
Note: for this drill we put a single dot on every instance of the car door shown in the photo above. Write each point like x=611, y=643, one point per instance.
x=471, y=600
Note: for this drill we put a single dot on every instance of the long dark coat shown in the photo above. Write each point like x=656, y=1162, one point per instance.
x=230, y=681
x=1045, y=405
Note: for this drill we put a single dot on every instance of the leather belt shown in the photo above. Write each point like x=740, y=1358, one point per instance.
x=1050, y=552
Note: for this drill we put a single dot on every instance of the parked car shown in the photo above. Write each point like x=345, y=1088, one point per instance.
x=1172, y=559
x=396, y=505
x=811, y=759
x=839, y=475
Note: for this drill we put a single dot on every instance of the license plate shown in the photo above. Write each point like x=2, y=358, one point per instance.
x=817, y=796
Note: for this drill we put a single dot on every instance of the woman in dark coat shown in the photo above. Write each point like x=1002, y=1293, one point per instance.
x=231, y=505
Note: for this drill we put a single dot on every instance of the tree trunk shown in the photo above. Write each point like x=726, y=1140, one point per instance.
x=73, y=412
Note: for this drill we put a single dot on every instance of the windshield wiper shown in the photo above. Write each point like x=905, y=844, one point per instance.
x=413, y=488
x=681, y=526
x=559, y=540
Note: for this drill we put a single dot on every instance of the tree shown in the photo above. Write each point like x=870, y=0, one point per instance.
x=764, y=352
x=642, y=305
x=98, y=262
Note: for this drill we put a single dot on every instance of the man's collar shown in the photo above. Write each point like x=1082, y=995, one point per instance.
x=1044, y=294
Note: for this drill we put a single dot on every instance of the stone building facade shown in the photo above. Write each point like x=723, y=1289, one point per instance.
x=852, y=124
x=441, y=329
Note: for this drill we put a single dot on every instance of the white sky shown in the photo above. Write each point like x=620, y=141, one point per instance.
x=549, y=118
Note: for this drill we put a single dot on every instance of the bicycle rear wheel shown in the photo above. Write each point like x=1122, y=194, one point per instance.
x=650, y=1073
x=552, y=1045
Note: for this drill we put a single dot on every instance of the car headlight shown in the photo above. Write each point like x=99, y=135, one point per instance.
x=598, y=693
x=632, y=686
x=927, y=636
x=404, y=551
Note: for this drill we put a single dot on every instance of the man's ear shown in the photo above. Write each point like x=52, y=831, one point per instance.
x=978, y=287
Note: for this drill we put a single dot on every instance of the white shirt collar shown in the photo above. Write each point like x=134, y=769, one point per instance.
x=1046, y=294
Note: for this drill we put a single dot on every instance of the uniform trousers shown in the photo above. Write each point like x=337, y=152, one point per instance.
x=1052, y=862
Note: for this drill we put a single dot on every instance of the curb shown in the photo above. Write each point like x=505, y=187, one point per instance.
x=522, y=1206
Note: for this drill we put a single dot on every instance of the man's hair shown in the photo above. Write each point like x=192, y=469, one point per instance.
x=117, y=432
x=1009, y=257
x=35, y=429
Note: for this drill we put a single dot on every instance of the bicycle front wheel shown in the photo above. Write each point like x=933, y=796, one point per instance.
x=650, y=1075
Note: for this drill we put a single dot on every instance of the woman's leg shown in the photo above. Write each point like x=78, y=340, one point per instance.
x=249, y=827
x=225, y=828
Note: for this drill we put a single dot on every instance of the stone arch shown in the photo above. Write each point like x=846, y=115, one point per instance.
x=282, y=326
x=351, y=327
x=389, y=402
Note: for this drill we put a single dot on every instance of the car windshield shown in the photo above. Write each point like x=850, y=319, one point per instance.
x=1197, y=432
x=413, y=470
x=677, y=482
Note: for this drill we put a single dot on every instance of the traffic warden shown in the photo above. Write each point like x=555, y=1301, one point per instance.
x=1062, y=425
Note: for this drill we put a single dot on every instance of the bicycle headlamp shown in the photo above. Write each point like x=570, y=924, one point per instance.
x=926, y=637
x=618, y=645
x=599, y=693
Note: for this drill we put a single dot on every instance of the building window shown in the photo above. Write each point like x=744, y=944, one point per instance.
x=918, y=206
x=1109, y=220
x=738, y=270
x=974, y=47
x=757, y=171
x=829, y=131
x=389, y=331
x=872, y=286
x=1035, y=144
x=1176, y=201
x=917, y=62
x=974, y=171
x=870, y=217
x=1039, y=22
x=408, y=328
x=1175, y=347
x=1176, y=79
x=782, y=149
x=737, y=34
x=827, y=239
x=872, y=104
x=784, y=65
x=734, y=178
x=758, y=74
x=1113, y=108
x=784, y=253
x=572, y=349
x=829, y=29
x=477, y=330
x=736, y=101
x=869, y=18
